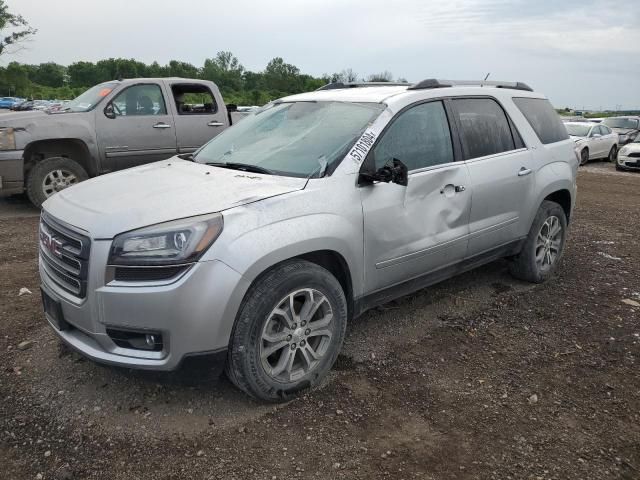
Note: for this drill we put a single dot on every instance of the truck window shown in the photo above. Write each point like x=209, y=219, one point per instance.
x=193, y=99
x=144, y=99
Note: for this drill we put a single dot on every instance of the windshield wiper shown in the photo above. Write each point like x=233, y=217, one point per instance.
x=245, y=167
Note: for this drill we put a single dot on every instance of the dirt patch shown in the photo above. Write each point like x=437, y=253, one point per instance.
x=479, y=377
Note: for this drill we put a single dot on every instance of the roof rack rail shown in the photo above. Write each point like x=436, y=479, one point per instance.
x=338, y=85
x=435, y=83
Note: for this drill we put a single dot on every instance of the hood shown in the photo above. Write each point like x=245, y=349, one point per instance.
x=633, y=147
x=622, y=131
x=168, y=190
x=20, y=119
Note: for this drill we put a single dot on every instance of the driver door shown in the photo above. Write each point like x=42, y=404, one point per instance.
x=140, y=130
x=423, y=227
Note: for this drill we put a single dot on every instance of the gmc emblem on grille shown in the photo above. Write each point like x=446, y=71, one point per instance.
x=50, y=244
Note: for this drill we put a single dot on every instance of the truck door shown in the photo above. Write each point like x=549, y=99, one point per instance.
x=199, y=114
x=135, y=127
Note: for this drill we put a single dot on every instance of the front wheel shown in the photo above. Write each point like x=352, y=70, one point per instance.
x=288, y=332
x=613, y=154
x=584, y=156
x=543, y=246
x=52, y=175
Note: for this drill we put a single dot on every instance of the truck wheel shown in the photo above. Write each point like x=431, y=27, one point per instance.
x=543, y=246
x=51, y=175
x=288, y=332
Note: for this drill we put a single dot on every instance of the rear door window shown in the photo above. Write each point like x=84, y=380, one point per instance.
x=484, y=127
x=544, y=120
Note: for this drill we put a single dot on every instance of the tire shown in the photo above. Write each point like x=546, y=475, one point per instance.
x=526, y=265
x=584, y=156
x=255, y=364
x=613, y=154
x=51, y=175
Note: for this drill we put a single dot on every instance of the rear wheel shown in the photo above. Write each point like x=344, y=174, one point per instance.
x=613, y=153
x=52, y=175
x=288, y=333
x=584, y=156
x=543, y=246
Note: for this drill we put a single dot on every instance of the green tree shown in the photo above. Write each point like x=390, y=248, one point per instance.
x=48, y=74
x=385, y=76
x=14, y=29
x=225, y=70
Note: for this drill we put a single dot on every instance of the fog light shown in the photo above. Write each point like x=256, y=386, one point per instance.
x=136, y=340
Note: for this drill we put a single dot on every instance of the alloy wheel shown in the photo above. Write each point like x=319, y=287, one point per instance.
x=57, y=180
x=296, y=335
x=548, y=243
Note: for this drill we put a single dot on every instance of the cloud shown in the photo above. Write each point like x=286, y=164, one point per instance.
x=566, y=48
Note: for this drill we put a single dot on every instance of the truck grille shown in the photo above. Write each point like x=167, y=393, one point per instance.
x=65, y=255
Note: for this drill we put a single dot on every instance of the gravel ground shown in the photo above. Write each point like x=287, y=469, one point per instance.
x=480, y=377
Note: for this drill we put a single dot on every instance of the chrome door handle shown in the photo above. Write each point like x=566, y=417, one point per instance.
x=161, y=125
x=215, y=124
x=524, y=171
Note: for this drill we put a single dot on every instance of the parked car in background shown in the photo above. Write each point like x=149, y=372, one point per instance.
x=629, y=156
x=627, y=128
x=23, y=106
x=41, y=104
x=8, y=102
x=261, y=247
x=593, y=141
x=111, y=126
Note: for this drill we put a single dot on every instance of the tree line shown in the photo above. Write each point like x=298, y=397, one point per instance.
x=237, y=84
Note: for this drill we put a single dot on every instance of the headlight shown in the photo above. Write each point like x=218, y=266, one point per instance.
x=7, y=139
x=623, y=151
x=171, y=243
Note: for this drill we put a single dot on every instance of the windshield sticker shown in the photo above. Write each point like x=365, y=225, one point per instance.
x=360, y=150
x=362, y=146
x=104, y=92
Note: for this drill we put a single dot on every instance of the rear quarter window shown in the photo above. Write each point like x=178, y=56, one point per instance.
x=544, y=120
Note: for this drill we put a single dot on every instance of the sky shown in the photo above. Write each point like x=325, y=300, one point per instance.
x=580, y=53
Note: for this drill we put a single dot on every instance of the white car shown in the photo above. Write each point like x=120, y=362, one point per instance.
x=629, y=156
x=593, y=141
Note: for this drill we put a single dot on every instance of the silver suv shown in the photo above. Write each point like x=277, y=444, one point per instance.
x=261, y=246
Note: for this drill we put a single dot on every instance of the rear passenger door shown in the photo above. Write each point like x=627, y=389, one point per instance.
x=501, y=171
x=199, y=114
x=413, y=230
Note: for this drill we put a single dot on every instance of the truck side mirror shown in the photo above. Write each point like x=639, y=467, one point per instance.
x=109, y=112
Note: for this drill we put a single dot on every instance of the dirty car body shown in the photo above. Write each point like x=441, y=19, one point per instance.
x=112, y=126
x=263, y=197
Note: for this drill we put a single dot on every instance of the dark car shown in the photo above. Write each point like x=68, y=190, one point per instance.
x=627, y=128
x=26, y=105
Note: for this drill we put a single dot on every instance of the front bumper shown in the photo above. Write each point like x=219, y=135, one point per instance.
x=628, y=163
x=194, y=313
x=11, y=172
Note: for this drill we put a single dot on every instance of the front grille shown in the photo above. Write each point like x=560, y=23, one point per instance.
x=634, y=155
x=65, y=255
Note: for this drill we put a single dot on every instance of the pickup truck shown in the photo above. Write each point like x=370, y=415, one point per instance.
x=112, y=126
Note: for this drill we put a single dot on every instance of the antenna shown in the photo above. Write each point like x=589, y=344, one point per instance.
x=485, y=78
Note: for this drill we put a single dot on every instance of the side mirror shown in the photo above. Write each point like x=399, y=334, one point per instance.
x=596, y=135
x=109, y=111
x=396, y=173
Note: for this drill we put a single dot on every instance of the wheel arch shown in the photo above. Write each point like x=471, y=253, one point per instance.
x=72, y=148
x=330, y=260
x=563, y=198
